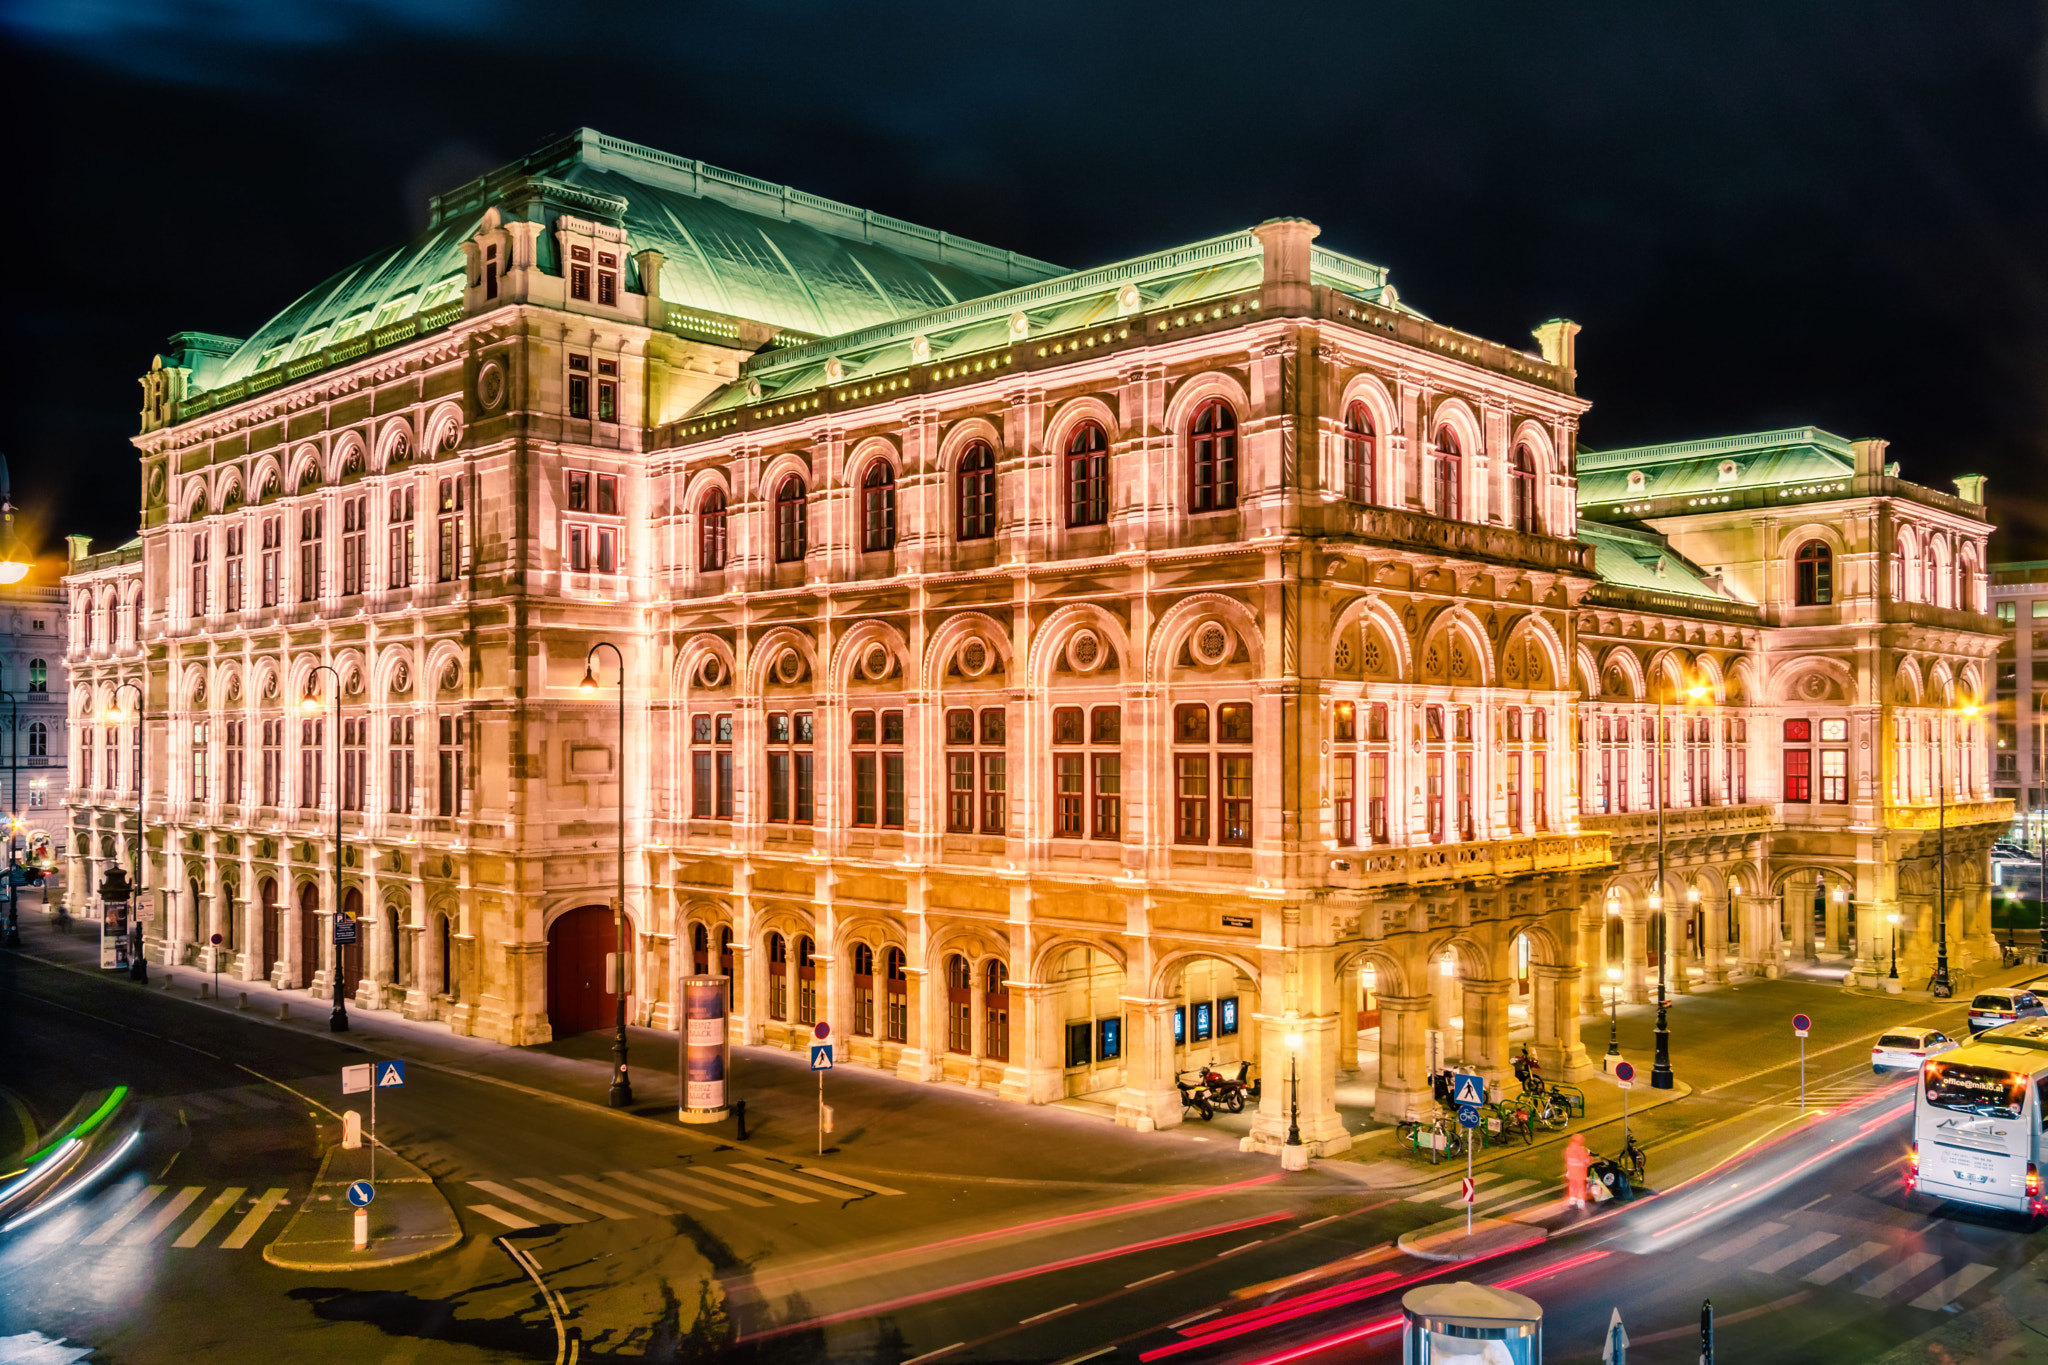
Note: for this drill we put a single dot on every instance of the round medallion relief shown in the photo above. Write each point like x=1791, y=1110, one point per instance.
x=790, y=667
x=490, y=385
x=874, y=663
x=1211, y=643
x=974, y=658
x=1084, y=651
x=711, y=673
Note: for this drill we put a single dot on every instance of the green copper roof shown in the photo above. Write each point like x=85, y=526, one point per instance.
x=1721, y=465
x=732, y=245
x=1058, y=310
x=1630, y=558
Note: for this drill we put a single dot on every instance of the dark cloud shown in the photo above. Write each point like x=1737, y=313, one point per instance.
x=1763, y=214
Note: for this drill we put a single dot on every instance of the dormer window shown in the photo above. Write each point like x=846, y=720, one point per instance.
x=607, y=279
x=579, y=272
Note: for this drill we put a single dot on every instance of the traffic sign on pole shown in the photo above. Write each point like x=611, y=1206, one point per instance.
x=1467, y=1088
x=389, y=1074
x=1465, y=1186
x=822, y=1031
x=355, y=1079
x=361, y=1193
x=821, y=1056
x=1800, y=1024
x=1468, y=1115
x=1624, y=1076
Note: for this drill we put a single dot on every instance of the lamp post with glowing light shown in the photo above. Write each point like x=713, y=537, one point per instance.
x=1614, y=975
x=1941, y=988
x=1660, y=1068
x=337, y=1018
x=621, y=1093
x=13, y=566
x=138, y=967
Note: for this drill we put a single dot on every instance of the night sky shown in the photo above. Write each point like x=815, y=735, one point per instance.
x=1764, y=215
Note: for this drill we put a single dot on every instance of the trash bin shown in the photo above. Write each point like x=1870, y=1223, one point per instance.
x=1470, y=1324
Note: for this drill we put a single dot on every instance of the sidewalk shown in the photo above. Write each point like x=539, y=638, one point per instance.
x=409, y=1217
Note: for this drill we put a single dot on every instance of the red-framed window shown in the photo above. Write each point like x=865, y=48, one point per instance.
x=977, y=771
x=1447, y=475
x=995, y=1003
x=959, y=1006
x=1360, y=454
x=806, y=981
x=1813, y=575
x=878, y=794
x=1212, y=458
x=711, y=543
x=1522, y=489
x=863, y=991
x=1087, y=480
x=878, y=508
x=896, y=996
x=977, y=492
x=1213, y=773
x=792, y=520
x=778, y=977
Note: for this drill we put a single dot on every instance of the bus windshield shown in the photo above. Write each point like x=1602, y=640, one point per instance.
x=1983, y=1091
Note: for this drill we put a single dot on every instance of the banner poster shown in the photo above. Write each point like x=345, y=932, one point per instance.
x=114, y=934
x=702, y=1089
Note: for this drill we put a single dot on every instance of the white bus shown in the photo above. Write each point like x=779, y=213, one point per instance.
x=1978, y=1117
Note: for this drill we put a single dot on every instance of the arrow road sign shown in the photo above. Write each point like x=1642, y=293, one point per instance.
x=1467, y=1088
x=390, y=1074
x=821, y=1056
x=1465, y=1186
x=360, y=1194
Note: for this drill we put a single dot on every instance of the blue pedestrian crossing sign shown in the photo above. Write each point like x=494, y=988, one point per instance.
x=390, y=1074
x=1467, y=1088
x=821, y=1056
x=360, y=1194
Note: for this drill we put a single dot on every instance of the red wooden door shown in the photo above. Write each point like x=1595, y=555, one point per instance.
x=271, y=912
x=309, y=933
x=580, y=944
x=350, y=957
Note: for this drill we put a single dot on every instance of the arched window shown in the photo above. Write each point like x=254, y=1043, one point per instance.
x=1522, y=489
x=38, y=676
x=863, y=991
x=778, y=977
x=1813, y=575
x=896, y=988
x=700, y=950
x=1212, y=458
x=1087, y=476
x=878, y=507
x=38, y=740
x=1966, y=581
x=1898, y=574
x=1360, y=454
x=711, y=532
x=1928, y=572
x=959, y=1006
x=977, y=492
x=85, y=622
x=806, y=981
x=792, y=529
x=1447, y=468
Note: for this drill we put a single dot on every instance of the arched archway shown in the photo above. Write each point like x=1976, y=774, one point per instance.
x=273, y=926
x=309, y=933
x=583, y=969
x=1215, y=1002
x=1088, y=988
x=348, y=957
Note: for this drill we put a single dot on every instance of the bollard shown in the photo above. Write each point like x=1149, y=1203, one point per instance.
x=351, y=1130
x=739, y=1112
x=242, y=1002
x=167, y=978
x=203, y=993
x=284, y=1009
x=362, y=1229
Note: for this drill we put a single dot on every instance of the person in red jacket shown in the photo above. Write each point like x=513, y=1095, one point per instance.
x=1576, y=1159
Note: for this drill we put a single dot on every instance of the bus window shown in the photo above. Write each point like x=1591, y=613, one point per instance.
x=2041, y=1091
x=1978, y=1090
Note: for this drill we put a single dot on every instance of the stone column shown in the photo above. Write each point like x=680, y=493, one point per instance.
x=1592, y=932
x=1759, y=948
x=1299, y=1084
x=1555, y=1015
x=1404, y=1078
x=1714, y=946
x=1348, y=987
x=1838, y=926
x=1633, y=953
x=1486, y=1029
x=1034, y=1072
x=1677, y=910
x=1798, y=912
x=1149, y=1099
x=924, y=1053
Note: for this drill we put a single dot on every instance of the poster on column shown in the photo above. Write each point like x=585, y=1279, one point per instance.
x=114, y=934
x=702, y=1089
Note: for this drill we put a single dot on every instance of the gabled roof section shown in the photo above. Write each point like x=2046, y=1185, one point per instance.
x=1722, y=465
x=1643, y=560
x=1183, y=277
x=732, y=245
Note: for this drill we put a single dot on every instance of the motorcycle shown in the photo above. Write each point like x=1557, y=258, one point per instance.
x=1619, y=1177
x=1194, y=1100
x=1230, y=1092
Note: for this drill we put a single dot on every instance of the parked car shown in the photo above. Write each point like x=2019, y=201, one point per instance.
x=1904, y=1049
x=1992, y=1008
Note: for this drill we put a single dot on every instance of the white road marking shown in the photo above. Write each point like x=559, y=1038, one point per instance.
x=213, y=1213
x=1735, y=1246
x=779, y=1193
x=547, y=1211
x=1879, y=1285
x=629, y=1200
x=1048, y=1313
x=1785, y=1256
x=1441, y=1190
x=572, y=1198
x=1147, y=1280
x=692, y=1183
x=1954, y=1287
x=510, y=1220
x=934, y=1355
x=120, y=1220
x=253, y=1219
x=1846, y=1262
x=663, y=1191
x=769, y=1174
x=846, y=1180
x=144, y=1232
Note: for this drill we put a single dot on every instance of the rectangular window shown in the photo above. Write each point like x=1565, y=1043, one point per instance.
x=579, y=549
x=403, y=502
x=452, y=754
x=1108, y=796
x=607, y=278
x=607, y=493
x=451, y=532
x=199, y=760
x=1539, y=804
x=579, y=273
x=607, y=549
x=1463, y=773
x=201, y=546
x=1433, y=798
x=1834, y=776
x=312, y=755
x=272, y=566
x=234, y=735
x=272, y=736
x=1798, y=774
x=789, y=767
x=399, y=786
x=1514, y=791
x=312, y=553
x=1376, y=796
x=233, y=600
x=490, y=272
x=1070, y=795
x=1191, y=798
x=355, y=544
x=878, y=792
x=960, y=792
x=355, y=764
x=579, y=490
x=1234, y=825
x=1344, y=798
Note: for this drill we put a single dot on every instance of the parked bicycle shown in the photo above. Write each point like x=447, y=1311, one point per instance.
x=1439, y=1135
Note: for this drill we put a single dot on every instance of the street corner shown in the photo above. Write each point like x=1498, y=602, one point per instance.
x=357, y=1217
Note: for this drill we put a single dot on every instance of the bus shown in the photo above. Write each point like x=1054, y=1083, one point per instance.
x=1978, y=1117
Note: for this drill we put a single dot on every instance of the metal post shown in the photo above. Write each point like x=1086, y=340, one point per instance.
x=1613, y=1019
x=1706, y=1332
x=337, y=1018
x=2041, y=896
x=13, y=813
x=621, y=1092
x=1940, y=988
x=138, y=966
x=1293, y=1102
x=1660, y=1068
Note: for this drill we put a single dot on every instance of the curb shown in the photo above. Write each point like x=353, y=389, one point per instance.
x=346, y=1257
x=1446, y=1242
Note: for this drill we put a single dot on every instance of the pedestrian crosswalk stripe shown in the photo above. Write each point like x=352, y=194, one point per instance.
x=847, y=1180
x=1440, y=1191
x=254, y=1218
x=789, y=1195
x=570, y=1197
x=510, y=1220
x=1457, y=1199
x=512, y=1196
x=1735, y=1246
x=1785, y=1256
x=144, y=1232
x=213, y=1213
x=1530, y=1197
x=1879, y=1285
x=663, y=1191
x=690, y=1183
x=121, y=1218
x=810, y=1185
x=1846, y=1262
x=632, y=1201
x=1954, y=1287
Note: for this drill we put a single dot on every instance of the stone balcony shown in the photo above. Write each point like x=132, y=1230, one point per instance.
x=1684, y=822
x=1953, y=813
x=1494, y=859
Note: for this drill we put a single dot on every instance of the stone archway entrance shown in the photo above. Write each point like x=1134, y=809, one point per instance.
x=1088, y=988
x=273, y=936
x=582, y=970
x=309, y=934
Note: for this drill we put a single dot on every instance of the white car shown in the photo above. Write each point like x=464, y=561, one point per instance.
x=1904, y=1049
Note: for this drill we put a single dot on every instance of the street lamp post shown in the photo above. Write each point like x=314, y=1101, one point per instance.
x=1941, y=988
x=138, y=967
x=337, y=1018
x=621, y=1093
x=1613, y=975
x=1894, y=918
x=1293, y=1158
x=13, y=812
x=2041, y=894
x=1660, y=1068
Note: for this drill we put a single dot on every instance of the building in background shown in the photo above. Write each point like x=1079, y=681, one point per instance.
x=1056, y=680
x=33, y=670
x=2019, y=600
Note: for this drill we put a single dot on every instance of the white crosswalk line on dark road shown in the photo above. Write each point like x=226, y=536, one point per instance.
x=1804, y=1247
x=146, y=1231
x=1846, y=1262
x=253, y=1220
x=510, y=1220
x=1954, y=1287
x=524, y=1201
x=790, y=1195
x=196, y=1231
x=121, y=1218
x=702, y=1187
x=813, y=1186
x=631, y=1201
x=573, y=1199
x=668, y=1192
x=1884, y=1282
x=1735, y=1246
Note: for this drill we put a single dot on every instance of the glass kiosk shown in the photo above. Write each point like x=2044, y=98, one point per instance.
x=1470, y=1324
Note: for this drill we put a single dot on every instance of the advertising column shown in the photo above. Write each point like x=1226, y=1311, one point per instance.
x=702, y=1088
x=114, y=919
